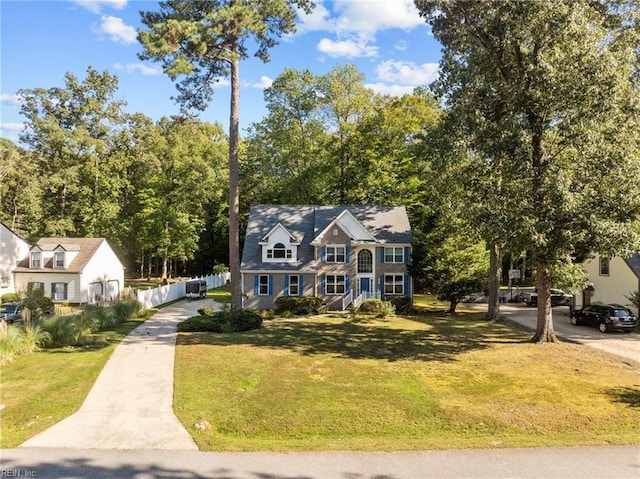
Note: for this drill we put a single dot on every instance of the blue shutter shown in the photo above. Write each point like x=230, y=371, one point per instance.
x=346, y=284
x=406, y=255
x=382, y=254
x=270, y=285
x=324, y=254
x=256, y=285
x=286, y=285
x=382, y=284
x=347, y=250
x=324, y=283
x=406, y=285
x=300, y=286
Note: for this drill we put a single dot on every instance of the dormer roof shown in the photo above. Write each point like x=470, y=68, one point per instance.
x=86, y=248
x=280, y=227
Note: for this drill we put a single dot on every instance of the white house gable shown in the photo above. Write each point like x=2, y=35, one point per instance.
x=12, y=250
x=279, y=246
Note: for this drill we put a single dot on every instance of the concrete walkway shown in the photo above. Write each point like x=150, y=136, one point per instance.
x=131, y=404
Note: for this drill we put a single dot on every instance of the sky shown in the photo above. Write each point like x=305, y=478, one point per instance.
x=42, y=41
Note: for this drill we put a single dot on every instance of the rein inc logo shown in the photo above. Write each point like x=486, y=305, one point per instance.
x=18, y=473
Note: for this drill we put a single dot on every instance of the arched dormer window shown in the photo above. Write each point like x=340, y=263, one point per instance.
x=279, y=251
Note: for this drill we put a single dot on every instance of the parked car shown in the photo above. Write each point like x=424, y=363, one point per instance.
x=10, y=312
x=558, y=298
x=605, y=317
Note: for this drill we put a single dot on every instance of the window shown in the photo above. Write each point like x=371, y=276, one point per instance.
x=335, y=284
x=58, y=260
x=31, y=286
x=365, y=261
x=335, y=254
x=394, y=255
x=394, y=284
x=294, y=285
x=604, y=266
x=59, y=291
x=263, y=285
x=35, y=260
x=279, y=251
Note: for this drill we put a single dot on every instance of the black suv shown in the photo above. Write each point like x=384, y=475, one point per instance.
x=606, y=317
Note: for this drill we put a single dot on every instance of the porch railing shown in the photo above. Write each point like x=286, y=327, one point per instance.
x=360, y=299
x=347, y=299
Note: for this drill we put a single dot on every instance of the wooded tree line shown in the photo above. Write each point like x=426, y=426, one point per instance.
x=158, y=191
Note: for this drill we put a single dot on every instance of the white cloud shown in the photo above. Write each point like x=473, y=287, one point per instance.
x=116, y=29
x=12, y=100
x=359, y=48
x=401, y=45
x=407, y=73
x=361, y=17
x=393, y=90
x=141, y=67
x=96, y=6
x=264, y=83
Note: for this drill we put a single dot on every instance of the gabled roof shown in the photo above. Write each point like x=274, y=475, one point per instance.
x=350, y=226
x=634, y=264
x=86, y=248
x=293, y=238
x=386, y=224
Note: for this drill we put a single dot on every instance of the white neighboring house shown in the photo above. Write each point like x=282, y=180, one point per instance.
x=12, y=250
x=612, y=280
x=72, y=270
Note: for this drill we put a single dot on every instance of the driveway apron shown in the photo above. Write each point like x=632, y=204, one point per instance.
x=131, y=404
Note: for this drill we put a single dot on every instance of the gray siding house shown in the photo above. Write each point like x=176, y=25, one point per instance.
x=337, y=253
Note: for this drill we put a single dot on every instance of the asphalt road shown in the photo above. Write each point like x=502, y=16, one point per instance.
x=615, y=462
x=625, y=345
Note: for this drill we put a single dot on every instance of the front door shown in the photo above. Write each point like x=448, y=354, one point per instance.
x=365, y=285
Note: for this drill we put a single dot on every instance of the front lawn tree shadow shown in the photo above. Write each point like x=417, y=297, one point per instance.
x=422, y=338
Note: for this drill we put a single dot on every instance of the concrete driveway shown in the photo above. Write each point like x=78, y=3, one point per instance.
x=620, y=344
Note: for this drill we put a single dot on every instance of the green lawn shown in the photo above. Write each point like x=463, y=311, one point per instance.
x=42, y=388
x=430, y=382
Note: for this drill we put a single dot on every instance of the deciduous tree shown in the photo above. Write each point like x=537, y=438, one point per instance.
x=546, y=95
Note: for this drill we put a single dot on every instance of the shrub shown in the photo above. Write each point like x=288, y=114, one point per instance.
x=298, y=304
x=125, y=309
x=402, y=304
x=34, y=338
x=220, y=269
x=96, y=317
x=206, y=311
x=376, y=306
x=10, y=343
x=225, y=321
x=64, y=330
x=10, y=298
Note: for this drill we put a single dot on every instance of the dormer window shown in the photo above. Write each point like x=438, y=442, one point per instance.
x=279, y=251
x=36, y=259
x=58, y=260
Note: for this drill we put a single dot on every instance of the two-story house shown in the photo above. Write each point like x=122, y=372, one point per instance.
x=72, y=270
x=336, y=253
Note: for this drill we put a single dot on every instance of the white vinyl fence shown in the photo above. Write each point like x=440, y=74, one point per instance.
x=151, y=298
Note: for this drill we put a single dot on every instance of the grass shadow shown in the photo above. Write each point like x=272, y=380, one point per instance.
x=421, y=338
x=629, y=395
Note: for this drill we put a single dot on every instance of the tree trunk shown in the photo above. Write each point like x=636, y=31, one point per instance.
x=234, y=196
x=453, y=304
x=493, y=309
x=544, y=328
